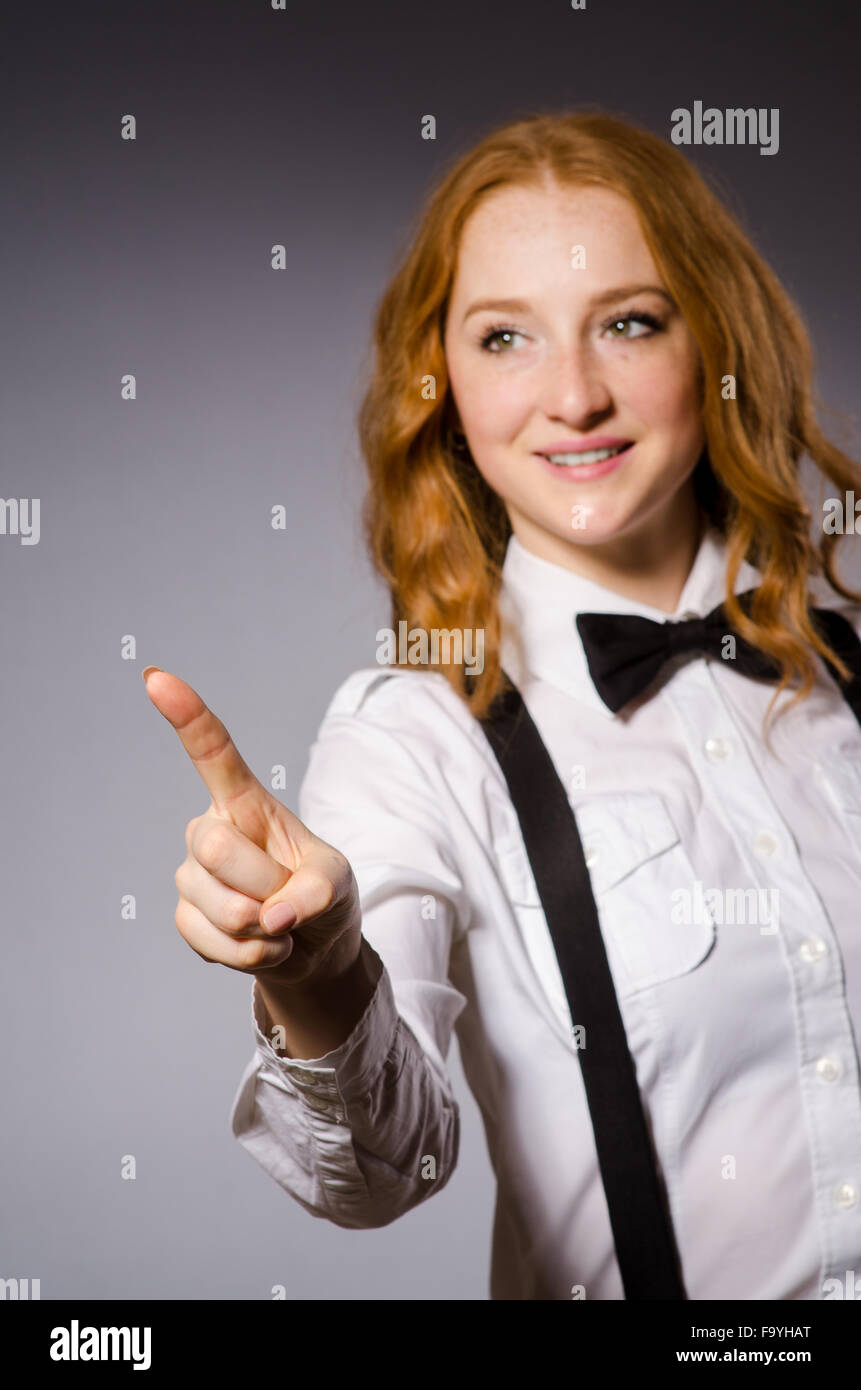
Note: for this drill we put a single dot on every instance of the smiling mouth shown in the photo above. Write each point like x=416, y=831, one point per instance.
x=586, y=456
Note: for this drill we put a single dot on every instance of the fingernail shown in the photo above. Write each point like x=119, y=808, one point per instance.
x=281, y=915
x=147, y=670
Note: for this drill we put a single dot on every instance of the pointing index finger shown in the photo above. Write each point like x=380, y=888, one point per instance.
x=202, y=735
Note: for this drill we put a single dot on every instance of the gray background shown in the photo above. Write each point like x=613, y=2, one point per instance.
x=152, y=257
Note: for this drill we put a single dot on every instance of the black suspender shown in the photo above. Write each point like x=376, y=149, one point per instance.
x=642, y=1231
x=639, y=1211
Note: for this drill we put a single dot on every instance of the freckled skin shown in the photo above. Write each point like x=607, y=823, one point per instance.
x=563, y=374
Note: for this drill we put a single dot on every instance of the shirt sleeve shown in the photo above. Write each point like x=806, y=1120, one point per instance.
x=371, y=1129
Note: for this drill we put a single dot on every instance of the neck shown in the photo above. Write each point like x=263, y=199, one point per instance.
x=649, y=563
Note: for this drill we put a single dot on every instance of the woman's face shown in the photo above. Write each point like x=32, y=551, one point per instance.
x=586, y=357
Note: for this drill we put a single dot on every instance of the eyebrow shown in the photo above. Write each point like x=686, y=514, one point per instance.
x=520, y=306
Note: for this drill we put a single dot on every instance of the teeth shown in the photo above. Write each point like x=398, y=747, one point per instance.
x=590, y=456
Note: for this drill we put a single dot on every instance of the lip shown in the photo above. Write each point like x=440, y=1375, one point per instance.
x=584, y=446
x=585, y=472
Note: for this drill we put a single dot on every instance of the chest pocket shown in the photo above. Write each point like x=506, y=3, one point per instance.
x=655, y=926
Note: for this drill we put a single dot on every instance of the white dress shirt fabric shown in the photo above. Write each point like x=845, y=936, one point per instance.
x=744, y=1032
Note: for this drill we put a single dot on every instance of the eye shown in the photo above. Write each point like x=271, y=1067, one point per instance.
x=653, y=324
x=499, y=330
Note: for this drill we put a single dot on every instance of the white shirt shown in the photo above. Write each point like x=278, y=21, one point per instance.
x=744, y=1034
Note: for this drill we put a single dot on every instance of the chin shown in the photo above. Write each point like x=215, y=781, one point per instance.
x=598, y=528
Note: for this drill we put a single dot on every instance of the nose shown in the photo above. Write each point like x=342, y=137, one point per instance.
x=573, y=386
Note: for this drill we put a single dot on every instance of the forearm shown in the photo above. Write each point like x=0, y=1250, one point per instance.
x=316, y=1017
x=351, y=1145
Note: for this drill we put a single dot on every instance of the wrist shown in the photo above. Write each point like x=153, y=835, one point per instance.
x=347, y=959
x=350, y=963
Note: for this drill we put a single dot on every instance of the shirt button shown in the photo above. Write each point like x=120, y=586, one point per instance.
x=764, y=843
x=717, y=749
x=827, y=1069
x=812, y=949
x=845, y=1195
x=590, y=855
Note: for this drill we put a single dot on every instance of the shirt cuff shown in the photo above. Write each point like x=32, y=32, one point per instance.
x=346, y=1072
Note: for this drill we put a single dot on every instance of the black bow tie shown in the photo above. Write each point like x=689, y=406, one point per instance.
x=626, y=652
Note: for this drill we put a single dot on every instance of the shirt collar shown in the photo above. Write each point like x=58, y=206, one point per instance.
x=539, y=601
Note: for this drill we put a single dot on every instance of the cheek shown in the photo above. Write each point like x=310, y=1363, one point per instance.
x=666, y=395
x=495, y=404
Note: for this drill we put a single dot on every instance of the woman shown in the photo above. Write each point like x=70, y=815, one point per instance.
x=590, y=396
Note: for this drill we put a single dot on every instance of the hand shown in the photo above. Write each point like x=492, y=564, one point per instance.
x=247, y=854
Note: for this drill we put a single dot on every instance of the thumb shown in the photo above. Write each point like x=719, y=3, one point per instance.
x=323, y=884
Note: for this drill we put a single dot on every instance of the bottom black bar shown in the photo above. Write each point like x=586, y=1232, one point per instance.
x=67, y=1337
